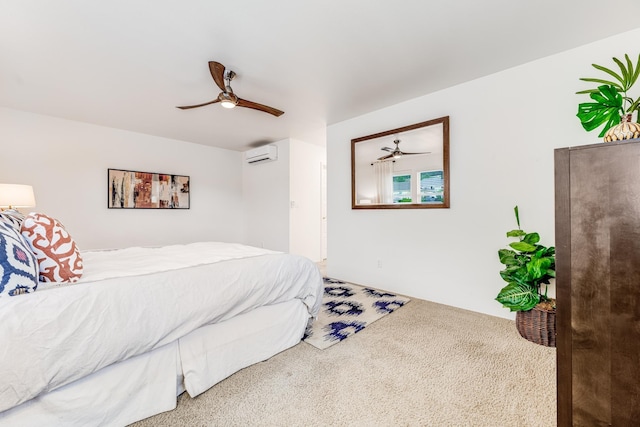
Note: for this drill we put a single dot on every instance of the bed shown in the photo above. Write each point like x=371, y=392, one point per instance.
x=144, y=325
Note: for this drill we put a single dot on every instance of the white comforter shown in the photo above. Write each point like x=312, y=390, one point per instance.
x=121, y=308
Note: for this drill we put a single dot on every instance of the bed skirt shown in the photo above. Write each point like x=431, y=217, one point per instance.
x=149, y=383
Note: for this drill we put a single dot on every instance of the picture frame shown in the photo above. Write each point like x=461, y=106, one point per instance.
x=127, y=189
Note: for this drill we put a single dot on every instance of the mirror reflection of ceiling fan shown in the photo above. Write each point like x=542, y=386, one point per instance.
x=396, y=153
x=222, y=77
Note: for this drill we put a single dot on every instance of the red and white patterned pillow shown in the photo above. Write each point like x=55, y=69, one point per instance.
x=58, y=256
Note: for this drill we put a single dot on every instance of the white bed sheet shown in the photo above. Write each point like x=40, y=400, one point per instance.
x=66, y=333
x=136, y=261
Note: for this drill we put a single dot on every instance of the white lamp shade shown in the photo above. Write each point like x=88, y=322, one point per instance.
x=16, y=196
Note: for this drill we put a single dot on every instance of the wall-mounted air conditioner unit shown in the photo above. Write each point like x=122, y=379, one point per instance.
x=262, y=154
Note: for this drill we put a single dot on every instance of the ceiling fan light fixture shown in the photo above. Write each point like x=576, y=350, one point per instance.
x=228, y=100
x=227, y=104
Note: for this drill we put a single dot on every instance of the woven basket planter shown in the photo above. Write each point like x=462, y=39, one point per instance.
x=538, y=325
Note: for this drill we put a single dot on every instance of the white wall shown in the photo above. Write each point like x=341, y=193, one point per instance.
x=266, y=201
x=306, y=210
x=67, y=162
x=504, y=128
x=282, y=200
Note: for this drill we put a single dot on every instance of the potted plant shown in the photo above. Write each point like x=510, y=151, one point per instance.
x=612, y=106
x=529, y=267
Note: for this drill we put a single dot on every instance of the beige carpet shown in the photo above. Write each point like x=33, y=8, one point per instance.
x=424, y=365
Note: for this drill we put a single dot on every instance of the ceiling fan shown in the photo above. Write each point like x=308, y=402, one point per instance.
x=396, y=152
x=227, y=98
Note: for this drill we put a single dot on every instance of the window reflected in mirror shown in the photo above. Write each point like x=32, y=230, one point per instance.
x=406, y=167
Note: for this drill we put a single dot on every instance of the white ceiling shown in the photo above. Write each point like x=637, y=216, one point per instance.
x=128, y=63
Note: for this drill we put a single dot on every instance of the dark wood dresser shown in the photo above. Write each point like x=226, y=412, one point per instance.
x=597, y=196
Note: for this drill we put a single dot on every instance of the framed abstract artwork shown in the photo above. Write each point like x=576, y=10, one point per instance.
x=146, y=190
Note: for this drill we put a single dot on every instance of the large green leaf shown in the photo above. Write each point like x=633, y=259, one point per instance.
x=625, y=74
x=606, y=109
x=618, y=77
x=537, y=267
x=624, y=81
x=629, y=76
x=506, y=276
x=531, y=238
x=516, y=233
x=523, y=246
x=514, y=273
x=634, y=73
x=550, y=251
x=600, y=82
x=507, y=257
x=518, y=297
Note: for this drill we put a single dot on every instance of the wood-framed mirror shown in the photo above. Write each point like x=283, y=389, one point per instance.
x=403, y=168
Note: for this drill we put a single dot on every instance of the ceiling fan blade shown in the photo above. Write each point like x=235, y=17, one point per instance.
x=426, y=152
x=199, y=105
x=385, y=157
x=259, y=107
x=387, y=149
x=217, y=72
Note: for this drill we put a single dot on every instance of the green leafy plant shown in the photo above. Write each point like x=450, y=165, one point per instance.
x=611, y=99
x=529, y=266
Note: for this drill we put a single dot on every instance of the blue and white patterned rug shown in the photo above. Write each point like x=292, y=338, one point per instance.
x=346, y=309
